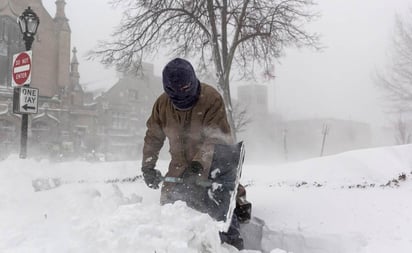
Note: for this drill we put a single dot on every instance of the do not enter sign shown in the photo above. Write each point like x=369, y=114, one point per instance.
x=21, y=70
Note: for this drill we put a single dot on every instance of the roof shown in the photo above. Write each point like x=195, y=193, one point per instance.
x=46, y=115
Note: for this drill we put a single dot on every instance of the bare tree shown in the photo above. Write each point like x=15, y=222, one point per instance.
x=396, y=81
x=241, y=117
x=221, y=33
x=402, y=135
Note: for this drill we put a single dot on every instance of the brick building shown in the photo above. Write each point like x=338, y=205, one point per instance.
x=69, y=121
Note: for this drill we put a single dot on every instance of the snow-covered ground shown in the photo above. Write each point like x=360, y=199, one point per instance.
x=358, y=201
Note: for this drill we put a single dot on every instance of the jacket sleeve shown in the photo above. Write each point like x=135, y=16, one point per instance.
x=216, y=130
x=154, y=139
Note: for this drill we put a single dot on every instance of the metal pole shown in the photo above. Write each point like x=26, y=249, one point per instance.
x=285, y=143
x=23, y=138
x=25, y=117
x=325, y=132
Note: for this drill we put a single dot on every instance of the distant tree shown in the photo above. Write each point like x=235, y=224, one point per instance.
x=396, y=79
x=402, y=134
x=220, y=33
x=241, y=117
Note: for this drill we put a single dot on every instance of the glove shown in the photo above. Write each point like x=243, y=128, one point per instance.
x=196, y=167
x=192, y=173
x=152, y=177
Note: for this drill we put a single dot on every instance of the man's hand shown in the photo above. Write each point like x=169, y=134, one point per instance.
x=192, y=173
x=196, y=167
x=152, y=177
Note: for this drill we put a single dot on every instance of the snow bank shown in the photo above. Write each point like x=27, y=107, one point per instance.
x=84, y=214
x=376, y=165
x=346, y=204
x=326, y=214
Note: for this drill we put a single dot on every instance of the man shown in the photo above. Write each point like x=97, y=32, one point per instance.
x=193, y=118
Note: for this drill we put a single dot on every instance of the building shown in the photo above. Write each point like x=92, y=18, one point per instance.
x=70, y=122
x=261, y=133
x=323, y=136
x=255, y=98
x=123, y=111
x=268, y=137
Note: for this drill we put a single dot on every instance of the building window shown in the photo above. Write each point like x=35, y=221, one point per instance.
x=119, y=120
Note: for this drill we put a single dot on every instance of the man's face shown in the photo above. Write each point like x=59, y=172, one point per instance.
x=182, y=88
x=180, y=92
x=180, y=83
x=185, y=87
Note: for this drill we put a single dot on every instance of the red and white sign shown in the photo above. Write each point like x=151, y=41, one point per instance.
x=21, y=70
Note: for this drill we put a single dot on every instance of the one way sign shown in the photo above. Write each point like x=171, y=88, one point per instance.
x=25, y=100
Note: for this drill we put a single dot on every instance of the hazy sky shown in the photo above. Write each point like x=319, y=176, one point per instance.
x=333, y=83
x=338, y=81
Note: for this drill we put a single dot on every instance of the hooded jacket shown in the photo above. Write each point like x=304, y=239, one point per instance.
x=191, y=133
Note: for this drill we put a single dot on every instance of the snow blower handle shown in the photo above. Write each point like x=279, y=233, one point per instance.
x=199, y=182
x=178, y=180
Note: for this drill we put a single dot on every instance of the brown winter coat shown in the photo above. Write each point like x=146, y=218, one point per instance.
x=191, y=133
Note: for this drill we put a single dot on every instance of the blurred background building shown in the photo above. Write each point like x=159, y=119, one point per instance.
x=70, y=122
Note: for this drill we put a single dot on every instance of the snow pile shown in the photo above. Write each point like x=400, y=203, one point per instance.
x=372, y=165
x=339, y=204
x=356, y=201
x=88, y=215
x=147, y=228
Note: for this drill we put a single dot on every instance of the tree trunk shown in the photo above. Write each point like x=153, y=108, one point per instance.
x=224, y=85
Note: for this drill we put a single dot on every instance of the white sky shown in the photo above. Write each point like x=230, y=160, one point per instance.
x=90, y=21
x=333, y=83
x=338, y=81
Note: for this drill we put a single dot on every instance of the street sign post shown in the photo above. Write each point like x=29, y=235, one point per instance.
x=28, y=22
x=25, y=100
x=21, y=72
